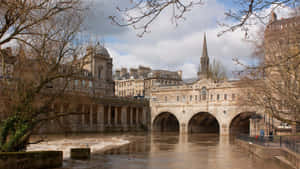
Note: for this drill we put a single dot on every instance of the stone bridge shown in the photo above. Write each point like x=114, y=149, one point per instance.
x=203, y=107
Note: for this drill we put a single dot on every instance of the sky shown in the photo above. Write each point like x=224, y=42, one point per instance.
x=168, y=46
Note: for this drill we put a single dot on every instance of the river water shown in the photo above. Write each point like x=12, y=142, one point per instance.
x=172, y=151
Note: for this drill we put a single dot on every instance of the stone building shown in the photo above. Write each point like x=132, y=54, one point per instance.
x=281, y=49
x=138, y=82
x=207, y=106
x=204, y=106
x=89, y=98
x=7, y=62
x=93, y=96
x=99, y=68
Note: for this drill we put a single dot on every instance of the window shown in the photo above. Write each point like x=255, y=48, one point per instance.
x=191, y=98
x=99, y=72
x=218, y=97
x=203, y=93
x=225, y=96
x=90, y=84
x=166, y=98
x=183, y=98
x=76, y=83
x=195, y=97
x=178, y=98
x=211, y=97
x=83, y=83
x=233, y=96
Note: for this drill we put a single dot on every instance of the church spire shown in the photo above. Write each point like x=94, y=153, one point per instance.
x=204, y=49
x=204, y=61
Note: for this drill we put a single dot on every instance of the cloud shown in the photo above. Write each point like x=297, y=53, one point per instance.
x=97, y=20
x=177, y=48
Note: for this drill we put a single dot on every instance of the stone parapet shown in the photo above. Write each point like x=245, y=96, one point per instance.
x=293, y=159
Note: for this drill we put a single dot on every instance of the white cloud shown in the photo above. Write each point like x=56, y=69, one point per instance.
x=180, y=48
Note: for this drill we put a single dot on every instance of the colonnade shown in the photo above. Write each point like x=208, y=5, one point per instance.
x=100, y=118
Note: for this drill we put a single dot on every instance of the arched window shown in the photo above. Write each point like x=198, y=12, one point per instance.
x=203, y=93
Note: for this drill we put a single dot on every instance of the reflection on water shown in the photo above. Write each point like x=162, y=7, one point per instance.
x=173, y=151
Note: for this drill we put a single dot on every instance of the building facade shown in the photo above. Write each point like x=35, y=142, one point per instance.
x=204, y=106
x=282, y=49
x=138, y=82
x=99, y=69
x=88, y=98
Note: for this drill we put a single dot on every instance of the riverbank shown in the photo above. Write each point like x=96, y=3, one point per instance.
x=282, y=156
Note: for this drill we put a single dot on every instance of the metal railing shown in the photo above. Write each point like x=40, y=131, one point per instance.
x=290, y=142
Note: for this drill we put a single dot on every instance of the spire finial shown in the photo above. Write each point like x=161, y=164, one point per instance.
x=204, y=49
x=204, y=61
x=273, y=17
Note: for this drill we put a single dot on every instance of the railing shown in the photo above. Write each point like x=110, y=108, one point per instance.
x=290, y=142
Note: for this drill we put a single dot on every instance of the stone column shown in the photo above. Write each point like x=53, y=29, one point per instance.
x=100, y=117
x=116, y=116
x=131, y=116
x=224, y=129
x=183, y=128
x=137, y=122
x=52, y=121
x=91, y=116
x=82, y=116
x=144, y=117
x=109, y=115
x=61, y=110
x=123, y=118
x=252, y=127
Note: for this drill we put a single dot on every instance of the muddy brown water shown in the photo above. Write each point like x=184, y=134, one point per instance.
x=174, y=151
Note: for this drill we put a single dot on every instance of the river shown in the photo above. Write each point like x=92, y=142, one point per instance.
x=172, y=151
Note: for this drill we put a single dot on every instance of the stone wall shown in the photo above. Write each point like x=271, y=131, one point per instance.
x=271, y=153
x=31, y=160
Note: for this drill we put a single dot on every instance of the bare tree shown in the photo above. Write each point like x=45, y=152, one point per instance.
x=274, y=83
x=252, y=12
x=46, y=63
x=142, y=13
x=217, y=71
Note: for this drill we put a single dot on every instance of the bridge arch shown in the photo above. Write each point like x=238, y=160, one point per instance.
x=165, y=122
x=240, y=123
x=203, y=122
